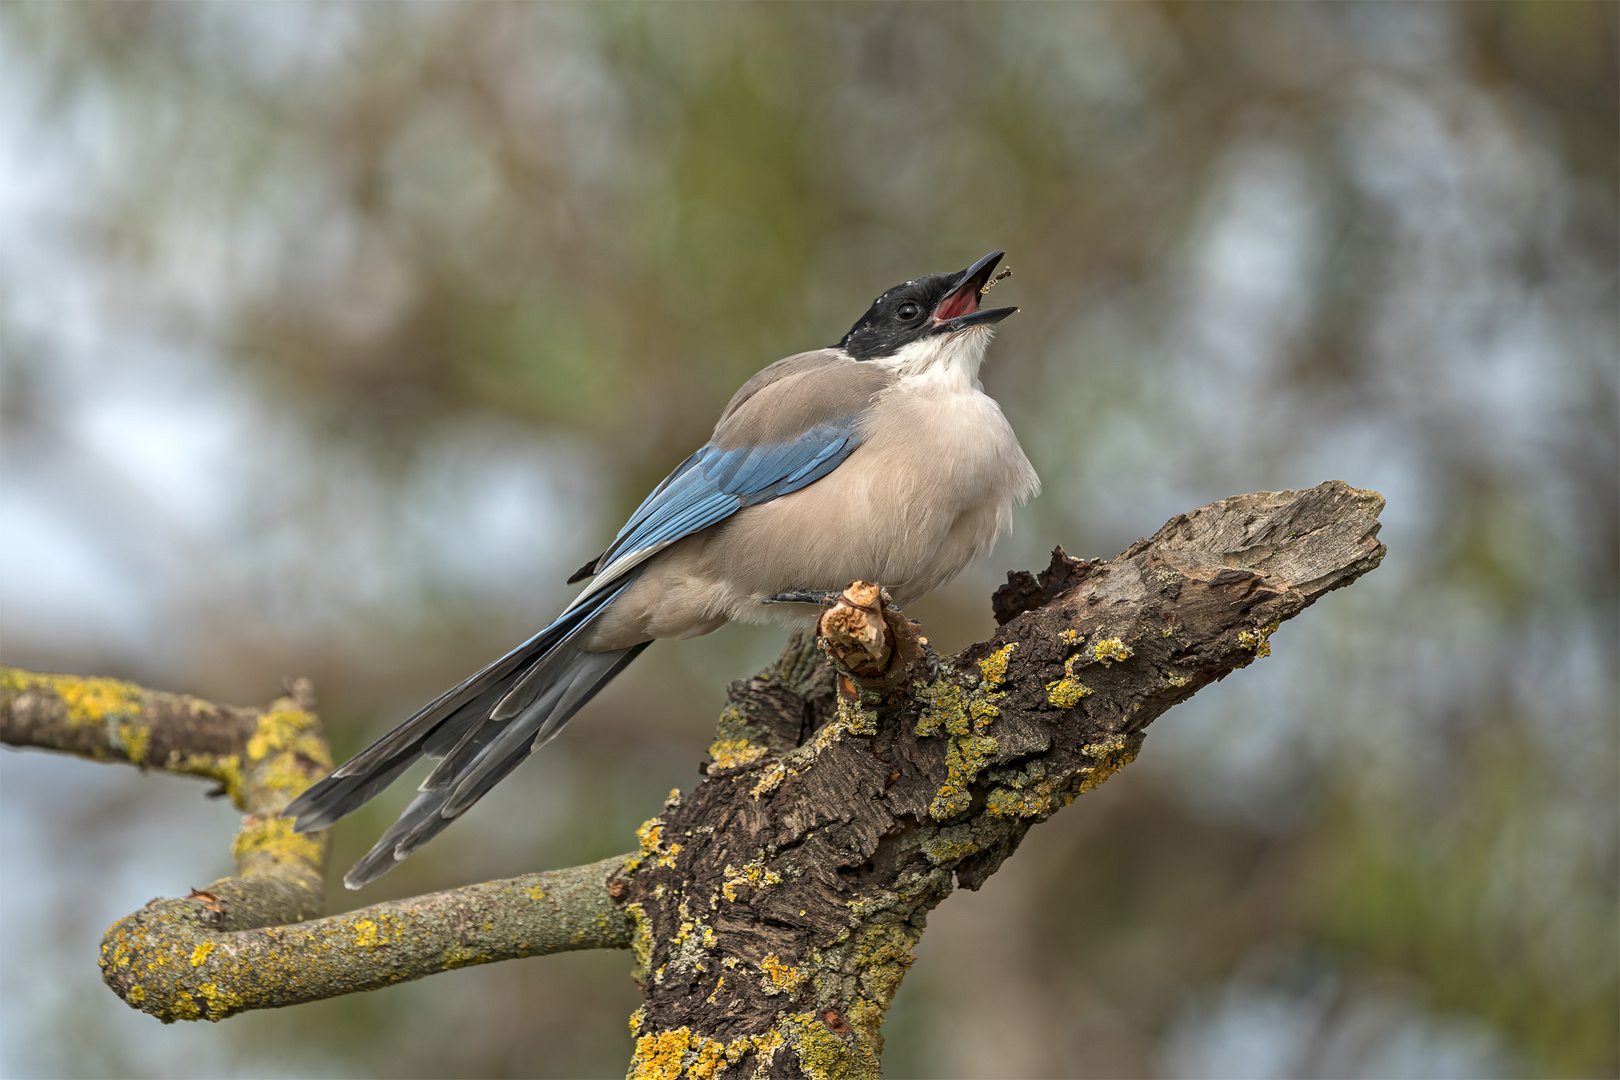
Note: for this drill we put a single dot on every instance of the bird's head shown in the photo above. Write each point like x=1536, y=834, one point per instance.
x=921, y=322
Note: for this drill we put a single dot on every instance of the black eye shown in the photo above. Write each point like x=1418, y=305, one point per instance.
x=908, y=311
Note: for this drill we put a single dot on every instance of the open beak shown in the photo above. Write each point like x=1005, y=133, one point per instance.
x=960, y=308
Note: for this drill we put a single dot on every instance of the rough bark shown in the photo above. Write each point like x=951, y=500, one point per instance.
x=853, y=784
x=778, y=906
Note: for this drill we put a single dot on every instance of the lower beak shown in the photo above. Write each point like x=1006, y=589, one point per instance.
x=960, y=308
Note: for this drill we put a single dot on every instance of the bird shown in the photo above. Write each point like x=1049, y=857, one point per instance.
x=878, y=459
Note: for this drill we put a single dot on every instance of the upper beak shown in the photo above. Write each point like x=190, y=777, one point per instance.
x=960, y=308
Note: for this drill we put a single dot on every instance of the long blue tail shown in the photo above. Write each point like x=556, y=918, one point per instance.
x=480, y=731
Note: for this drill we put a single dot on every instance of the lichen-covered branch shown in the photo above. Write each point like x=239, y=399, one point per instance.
x=112, y=720
x=261, y=758
x=166, y=959
x=853, y=785
x=229, y=947
x=778, y=905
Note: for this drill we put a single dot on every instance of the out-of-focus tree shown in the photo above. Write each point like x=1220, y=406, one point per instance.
x=332, y=338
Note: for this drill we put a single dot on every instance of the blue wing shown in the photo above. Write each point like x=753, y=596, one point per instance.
x=713, y=484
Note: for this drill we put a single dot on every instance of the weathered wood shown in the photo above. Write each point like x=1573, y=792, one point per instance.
x=778, y=905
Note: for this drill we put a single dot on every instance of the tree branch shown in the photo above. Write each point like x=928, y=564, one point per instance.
x=167, y=961
x=261, y=758
x=778, y=905
x=227, y=947
x=774, y=911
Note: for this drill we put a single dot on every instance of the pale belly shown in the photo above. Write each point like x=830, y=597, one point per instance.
x=909, y=509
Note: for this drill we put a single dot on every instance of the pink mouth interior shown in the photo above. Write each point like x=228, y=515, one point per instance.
x=964, y=301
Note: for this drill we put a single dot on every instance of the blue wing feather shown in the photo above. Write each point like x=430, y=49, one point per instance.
x=713, y=484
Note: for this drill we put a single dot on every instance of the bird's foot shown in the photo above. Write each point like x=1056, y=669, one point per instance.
x=804, y=596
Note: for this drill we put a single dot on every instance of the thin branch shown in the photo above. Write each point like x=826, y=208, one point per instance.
x=261, y=758
x=227, y=947
x=165, y=960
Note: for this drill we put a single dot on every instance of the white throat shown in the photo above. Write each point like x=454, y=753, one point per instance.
x=951, y=359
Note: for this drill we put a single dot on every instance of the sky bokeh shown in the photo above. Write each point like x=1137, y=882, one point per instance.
x=334, y=337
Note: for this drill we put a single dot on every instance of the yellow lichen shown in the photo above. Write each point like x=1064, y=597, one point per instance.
x=137, y=739
x=941, y=851
x=93, y=701
x=1177, y=681
x=661, y=1056
x=1258, y=641
x=225, y=769
x=650, y=833
x=1111, y=755
x=137, y=994
x=1027, y=792
x=780, y=977
x=682, y=1052
x=825, y=1056
x=199, y=955
x=962, y=716
x=1111, y=650
x=651, y=836
x=982, y=708
x=709, y=1059
x=458, y=957
x=285, y=726
x=536, y=892
x=771, y=780
x=993, y=668
x=852, y=718
x=641, y=939
x=765, y=1045
x=1033, y=802
x=965, y=758
x=735, y=753
x=884, y=954
x=285, y=741
x=1065, y=693
x=185, y=1008
x=272, y=839
x=15, y=680
x=753, y=874
x=944, y=709
x=221, y=1003
x=366, y=933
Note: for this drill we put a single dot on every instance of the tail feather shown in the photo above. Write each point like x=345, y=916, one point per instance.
x=587, y=674
x=455, y=742
x=477, y=748
x=487, y=758
x=341, y=795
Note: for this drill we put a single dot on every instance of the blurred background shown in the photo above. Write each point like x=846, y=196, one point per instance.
x=332, y=338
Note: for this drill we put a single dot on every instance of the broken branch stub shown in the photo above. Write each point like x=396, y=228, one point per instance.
x=867, y=637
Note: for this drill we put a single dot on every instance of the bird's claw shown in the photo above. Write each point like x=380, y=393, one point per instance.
x=804, y=596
